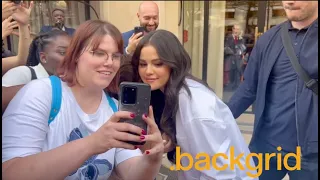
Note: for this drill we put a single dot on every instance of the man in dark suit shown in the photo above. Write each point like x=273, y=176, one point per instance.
x=233, y=54
x=58, y=23
x=148, y=15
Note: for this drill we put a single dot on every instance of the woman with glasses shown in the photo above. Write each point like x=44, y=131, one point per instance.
x=85, y=139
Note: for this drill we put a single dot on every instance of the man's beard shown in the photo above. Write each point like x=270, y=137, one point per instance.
x=303, y=15
x=146, y=27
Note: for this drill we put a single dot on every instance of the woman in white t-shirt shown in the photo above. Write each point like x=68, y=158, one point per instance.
x=85, y=140
x=46, y=52
x=192, y=116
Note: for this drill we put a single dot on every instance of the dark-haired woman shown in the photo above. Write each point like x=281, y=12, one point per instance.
x=193, y=117
x=45, y=54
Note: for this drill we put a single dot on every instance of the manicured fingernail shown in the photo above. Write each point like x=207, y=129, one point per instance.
x=132, y=115
x=142, y=137
x=145, y=115
x=147, y=152
x=143, y=132
x=136, y=147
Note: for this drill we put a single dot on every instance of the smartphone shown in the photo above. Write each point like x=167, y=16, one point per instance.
x=138, y=29
x=135, y=97
x=16, y=2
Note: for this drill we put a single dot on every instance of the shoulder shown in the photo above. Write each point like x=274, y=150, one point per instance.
x=203, y=102
x=128, y=33
x=16, y=76
x=270, y=35
x=34, y=96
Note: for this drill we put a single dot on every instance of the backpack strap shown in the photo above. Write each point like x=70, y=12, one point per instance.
x=56, y=97
x=310, y=83
x=112, y=103
x=33, y=73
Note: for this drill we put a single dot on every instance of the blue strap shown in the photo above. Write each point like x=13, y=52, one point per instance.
x=56, y=97
x=112, y=103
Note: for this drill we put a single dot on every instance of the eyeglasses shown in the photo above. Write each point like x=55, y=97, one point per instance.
x=105, y=56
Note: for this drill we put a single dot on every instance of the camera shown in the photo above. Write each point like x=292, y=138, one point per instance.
x=129, y=95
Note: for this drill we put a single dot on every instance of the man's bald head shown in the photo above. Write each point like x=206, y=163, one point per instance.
x=148, y=15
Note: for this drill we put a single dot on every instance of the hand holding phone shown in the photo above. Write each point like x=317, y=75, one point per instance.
x=135, y=98
x=139, y=29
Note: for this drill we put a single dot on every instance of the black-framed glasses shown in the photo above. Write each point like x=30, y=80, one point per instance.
x=105, y=56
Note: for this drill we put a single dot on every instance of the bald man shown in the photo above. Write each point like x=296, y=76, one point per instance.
x=148, y=15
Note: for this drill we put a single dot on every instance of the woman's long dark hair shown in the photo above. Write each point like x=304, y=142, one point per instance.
x=172, y=53
x=39, y=43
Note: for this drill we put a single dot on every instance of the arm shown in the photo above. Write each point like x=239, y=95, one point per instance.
x=22, y=17
x=141, y=167
x=7, y=95
x=26, y=119
x=245, y=95
x=213, y=133
x=144, y=167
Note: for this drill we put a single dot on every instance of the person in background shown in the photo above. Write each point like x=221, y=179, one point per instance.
x=58, y=16
x=85, y=139
x=148, y=16
x=286, y=110
x=234, y=51
x=21, y=14
x=7, y=28
x=193, y=117
x=45, y=54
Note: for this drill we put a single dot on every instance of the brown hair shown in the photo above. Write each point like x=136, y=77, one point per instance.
x=89, y=33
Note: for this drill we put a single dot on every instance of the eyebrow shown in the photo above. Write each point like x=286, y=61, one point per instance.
x=106, y=51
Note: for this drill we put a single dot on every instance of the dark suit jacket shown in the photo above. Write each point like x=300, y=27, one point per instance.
x=125, y=37
x=45, y=29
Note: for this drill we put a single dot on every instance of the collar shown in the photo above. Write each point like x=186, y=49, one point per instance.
x=41, y=72
x=314, y=24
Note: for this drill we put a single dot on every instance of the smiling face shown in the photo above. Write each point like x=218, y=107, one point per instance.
x=97, y=68
x=149, y=16
x=152, y=70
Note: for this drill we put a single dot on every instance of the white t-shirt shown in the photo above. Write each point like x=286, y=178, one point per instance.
x=22, y=75
x=204, y=124
x=25, y=129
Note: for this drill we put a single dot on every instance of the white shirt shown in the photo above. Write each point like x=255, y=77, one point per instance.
x=205, y=124
x=25, y=129
x=22, y=75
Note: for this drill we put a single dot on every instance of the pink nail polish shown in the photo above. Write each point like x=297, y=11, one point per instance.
x=142, y=137
x=132, y=115
x=143, y=132
x=147, y=152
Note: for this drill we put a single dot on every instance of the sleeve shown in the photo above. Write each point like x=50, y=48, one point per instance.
x=25, y=121
x=212, y=135
x=245, y=94
x=124, y=154
x=16, y=76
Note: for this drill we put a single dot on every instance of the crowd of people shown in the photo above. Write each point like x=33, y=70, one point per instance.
x=58, y=98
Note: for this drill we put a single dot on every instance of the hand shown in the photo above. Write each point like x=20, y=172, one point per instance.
x=114, y=134
x=154, y=137
x=168, y=145
x=8, y=26
x=133, y=42
x=8, y=8
x=22, y=14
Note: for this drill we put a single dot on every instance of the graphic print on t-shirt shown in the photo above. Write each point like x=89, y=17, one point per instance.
x=92, y=168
